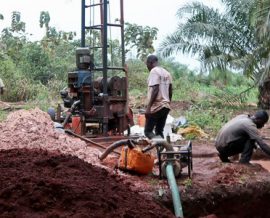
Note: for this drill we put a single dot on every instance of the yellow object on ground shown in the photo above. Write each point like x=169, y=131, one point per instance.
x=194, y=130
x=135, y=160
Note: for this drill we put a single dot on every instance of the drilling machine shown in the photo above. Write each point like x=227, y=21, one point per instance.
x=96, y=97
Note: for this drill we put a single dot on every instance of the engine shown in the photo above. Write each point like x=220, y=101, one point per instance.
x=98, y=102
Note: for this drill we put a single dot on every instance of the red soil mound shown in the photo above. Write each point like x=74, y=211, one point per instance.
x=42, y=184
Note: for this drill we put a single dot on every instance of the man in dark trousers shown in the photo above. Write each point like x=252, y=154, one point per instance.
x=159, y=97
x=240, y=134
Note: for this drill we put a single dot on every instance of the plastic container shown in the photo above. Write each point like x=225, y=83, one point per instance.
x=76, y=124
x=141, y=120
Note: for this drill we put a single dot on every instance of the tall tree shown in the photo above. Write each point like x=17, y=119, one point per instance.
x=260, y=20
x=13, y=37
x=221, y=39
x=141, y=38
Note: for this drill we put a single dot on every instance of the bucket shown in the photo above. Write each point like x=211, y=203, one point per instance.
x=76, y=124
x=141, y=120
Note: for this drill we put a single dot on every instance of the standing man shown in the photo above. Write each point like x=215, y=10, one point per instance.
x=239, y=136
x=159, y=97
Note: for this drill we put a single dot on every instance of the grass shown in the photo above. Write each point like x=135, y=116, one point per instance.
x=3, y=115
x=211, y=105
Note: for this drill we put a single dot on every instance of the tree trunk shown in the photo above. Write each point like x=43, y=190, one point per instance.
x=264, y=95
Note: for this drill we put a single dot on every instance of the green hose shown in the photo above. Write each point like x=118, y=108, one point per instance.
x=174, y=189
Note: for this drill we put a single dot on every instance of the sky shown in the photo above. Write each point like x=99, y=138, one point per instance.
x=66, y=16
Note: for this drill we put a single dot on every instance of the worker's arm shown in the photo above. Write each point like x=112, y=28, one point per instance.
x=154, y=94
x=264, y=146
x=253, y=133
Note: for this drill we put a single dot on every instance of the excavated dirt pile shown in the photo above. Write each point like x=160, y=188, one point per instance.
x=45, y=173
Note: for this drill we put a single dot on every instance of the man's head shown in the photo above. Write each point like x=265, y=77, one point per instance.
x=260, y=118
x=151, y=62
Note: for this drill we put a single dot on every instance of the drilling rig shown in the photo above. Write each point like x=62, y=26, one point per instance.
x=97, y=91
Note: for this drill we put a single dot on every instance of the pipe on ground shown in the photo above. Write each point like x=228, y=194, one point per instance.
x=178, y=210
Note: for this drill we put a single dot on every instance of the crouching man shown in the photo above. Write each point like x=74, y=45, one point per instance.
x=239, y=135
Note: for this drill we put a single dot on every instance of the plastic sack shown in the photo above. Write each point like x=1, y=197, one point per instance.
x=135, y=160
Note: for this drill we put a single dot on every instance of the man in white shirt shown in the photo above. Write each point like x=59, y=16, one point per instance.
x=159, y=97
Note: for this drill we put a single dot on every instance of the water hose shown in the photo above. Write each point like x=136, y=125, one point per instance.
x=178, y=210
x=73, y=107
x=128, y=142
x=160, y=142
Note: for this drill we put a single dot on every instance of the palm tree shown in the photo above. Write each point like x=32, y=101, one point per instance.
x=261, y=21
x=221, y=39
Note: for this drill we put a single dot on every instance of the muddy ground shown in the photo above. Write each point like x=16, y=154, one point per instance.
x=45, y=173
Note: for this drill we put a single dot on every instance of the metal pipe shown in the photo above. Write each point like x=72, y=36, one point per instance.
x=83, y=24
x=105, y=66
x=88, y=140
x=122, y=23
x=178, y=210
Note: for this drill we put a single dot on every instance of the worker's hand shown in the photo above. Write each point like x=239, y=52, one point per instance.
x=147, y=112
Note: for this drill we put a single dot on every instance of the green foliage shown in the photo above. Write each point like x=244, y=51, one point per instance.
x=18, y=87
x=205, y=34
x=187, y=183
x=138, y=74
x=16, y=24
x=36, y=71
x=44, y=20
x=210, y=120
x=35, y=63
x=3, y=115
x=141, y=38
x=47, y=96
